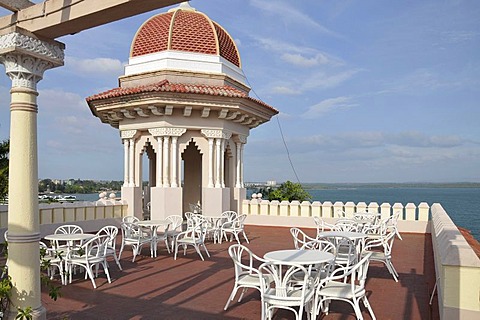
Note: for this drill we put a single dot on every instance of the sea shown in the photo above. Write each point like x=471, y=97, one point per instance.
x=461, y=204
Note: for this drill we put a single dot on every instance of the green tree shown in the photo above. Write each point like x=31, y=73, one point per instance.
x=4, y=150
x=289, y=191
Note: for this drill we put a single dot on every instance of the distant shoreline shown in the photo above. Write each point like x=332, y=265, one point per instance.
x=319, y=186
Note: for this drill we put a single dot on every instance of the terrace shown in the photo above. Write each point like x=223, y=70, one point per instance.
x=432, y=250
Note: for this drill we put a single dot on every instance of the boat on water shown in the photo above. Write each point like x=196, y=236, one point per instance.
x=59, y=198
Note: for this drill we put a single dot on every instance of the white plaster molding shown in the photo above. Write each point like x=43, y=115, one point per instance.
x=215, y=133
x=205, y=112
x=167, y=131
x=187, y=111
x=128, y=134
x=155, y=110
x=53, y=52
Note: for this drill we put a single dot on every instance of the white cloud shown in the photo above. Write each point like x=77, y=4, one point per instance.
x=301, y=61
x=328, y=105
x=106, y=67
x=285, y=90
x=54, y=100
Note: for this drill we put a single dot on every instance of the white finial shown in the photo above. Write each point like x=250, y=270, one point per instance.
x=183, y=6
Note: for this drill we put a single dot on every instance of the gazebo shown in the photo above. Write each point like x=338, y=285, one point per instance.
x=183, y=104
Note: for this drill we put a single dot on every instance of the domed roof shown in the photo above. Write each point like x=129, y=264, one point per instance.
x=184, y=29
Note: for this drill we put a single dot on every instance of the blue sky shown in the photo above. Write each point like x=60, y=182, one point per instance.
x=368, y=91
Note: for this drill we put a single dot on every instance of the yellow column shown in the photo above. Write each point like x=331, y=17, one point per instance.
x=25, y=59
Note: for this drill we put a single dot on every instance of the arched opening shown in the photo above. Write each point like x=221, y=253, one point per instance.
x=191, y=175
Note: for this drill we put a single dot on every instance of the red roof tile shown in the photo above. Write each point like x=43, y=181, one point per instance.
x=184, y=30
x=166, y=86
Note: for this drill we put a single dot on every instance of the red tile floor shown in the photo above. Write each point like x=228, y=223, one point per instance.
x=189, y=288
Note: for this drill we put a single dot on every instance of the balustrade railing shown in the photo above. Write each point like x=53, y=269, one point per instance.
x=412, y=218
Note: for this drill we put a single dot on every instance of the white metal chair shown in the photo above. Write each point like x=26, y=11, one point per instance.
x=112, y=232
x=346, y=250
x=247, y=276
x=285, y=291
x=346, y=225
x=381, y=250
x=235, y=227
x=194, y=236
x=300, y=238
x=322, y=225
x=344, y=284
x=91, y=254
x=69, y=229
x=50, y=260
x=174, y=228
x=130, y=219
x=135, y=236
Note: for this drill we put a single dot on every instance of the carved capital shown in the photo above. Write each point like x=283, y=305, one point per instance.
x=167, y=131
x=128, y=134
x=26, y=58
x=215, y=133
x=240, y=138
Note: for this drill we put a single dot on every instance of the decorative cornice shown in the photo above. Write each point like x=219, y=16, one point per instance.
x=16, y=42
x=215, y=133
x=167, y=131
x=128, y=134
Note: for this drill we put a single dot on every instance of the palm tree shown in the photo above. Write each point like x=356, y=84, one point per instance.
x=4, y=150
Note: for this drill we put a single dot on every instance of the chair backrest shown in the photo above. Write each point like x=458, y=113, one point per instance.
x=345, y=250
x=176, y=221
x=355, y=274
x=299, y=237
x=320, y=245
x=110, y=231
x=346, y=225
x=285, y=279
x=95, y=247
x=230, y=215
x=69, y=229
x=244, y=260
x=322, y=225
x=130, y=219
x=130, y=230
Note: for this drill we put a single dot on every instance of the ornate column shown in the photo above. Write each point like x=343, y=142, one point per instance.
x=210, y=163
x=25, y=59
x=166, y=163
x=159, y=161
x=218, y=138
x=170, y=170
x=240, y=141
x=129, y=148
x=131, y=162
x=222, y=164
x=218, y=146
x=238, y=183
x=174, y=180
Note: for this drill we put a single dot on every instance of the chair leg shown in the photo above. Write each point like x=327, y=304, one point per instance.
x=232, y=295
x=245, y=236
x=105, y=269
x=367, y=305
x=206, y=250
x=197, y=248
x=117, y=261
x=166, y=245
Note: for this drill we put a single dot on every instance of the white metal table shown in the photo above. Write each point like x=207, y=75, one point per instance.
x=303, y=257
x=153, y=225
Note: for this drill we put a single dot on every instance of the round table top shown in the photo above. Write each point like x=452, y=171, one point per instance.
x=152, y=223
x=303, y=257
x=69, y=236
x=345, y=234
